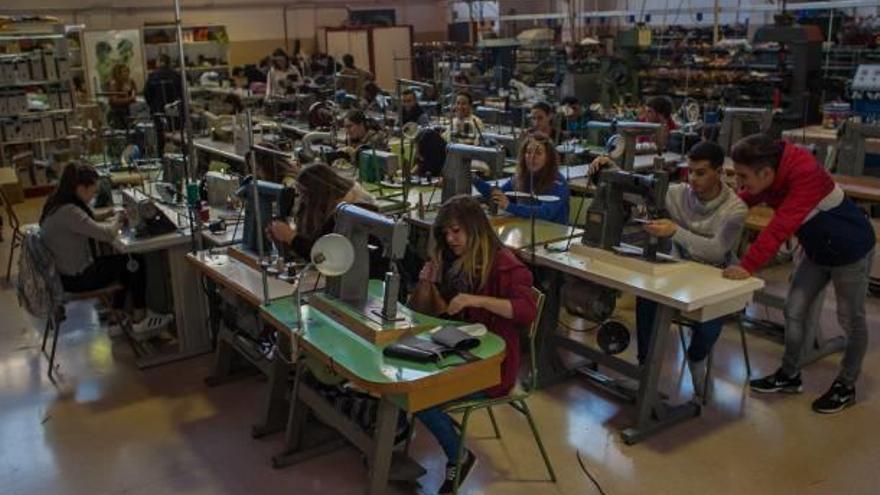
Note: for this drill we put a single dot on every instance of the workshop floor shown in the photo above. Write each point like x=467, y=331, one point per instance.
x=106, y=428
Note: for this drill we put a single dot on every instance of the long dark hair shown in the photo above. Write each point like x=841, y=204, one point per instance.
x=320, y=189
x=75, y=174
x=545, y=177
x=757, y=151
x=482, y=241
x=432, y=151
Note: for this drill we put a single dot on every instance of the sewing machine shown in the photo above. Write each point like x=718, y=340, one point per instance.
x=736, y=121
x=457, y=176
x=275, y=201
x=851, y=147
x=220, y=187
x=609, y=210
x=623, y=146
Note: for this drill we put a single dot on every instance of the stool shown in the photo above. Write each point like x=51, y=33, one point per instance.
x=683, y=323
x=105, y=295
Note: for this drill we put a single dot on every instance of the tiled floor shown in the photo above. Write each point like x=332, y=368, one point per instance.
x=107, y=428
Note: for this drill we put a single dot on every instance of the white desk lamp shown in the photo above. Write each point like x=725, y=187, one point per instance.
x=332, y=255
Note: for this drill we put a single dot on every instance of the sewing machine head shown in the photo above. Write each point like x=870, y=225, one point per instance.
x=274, y=201
x=457, y=175
x=618, y=191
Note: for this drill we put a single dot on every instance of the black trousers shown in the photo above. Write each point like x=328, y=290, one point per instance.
x=107, y=270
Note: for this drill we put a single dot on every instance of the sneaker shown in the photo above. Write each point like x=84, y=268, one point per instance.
x=151, y=325
x=467, y=465
x=116, y=329
x=778, y=382
x=698, y=376
x=836, y=399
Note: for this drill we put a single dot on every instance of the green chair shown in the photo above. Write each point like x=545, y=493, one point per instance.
x=516, y=399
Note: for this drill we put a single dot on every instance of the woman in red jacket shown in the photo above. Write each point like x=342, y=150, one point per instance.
x=838, y=245
x=471, y=276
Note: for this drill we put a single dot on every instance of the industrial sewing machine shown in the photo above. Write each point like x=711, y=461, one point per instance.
x=457, y=175
x=739, y=122
x=851, y=147
x=346, y=298
x=624, y=145
x=611, y=207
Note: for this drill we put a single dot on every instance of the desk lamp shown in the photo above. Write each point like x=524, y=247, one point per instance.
x=332, y=255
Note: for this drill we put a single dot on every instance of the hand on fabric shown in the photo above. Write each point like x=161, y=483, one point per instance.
x=662, y=227
x=460, y=302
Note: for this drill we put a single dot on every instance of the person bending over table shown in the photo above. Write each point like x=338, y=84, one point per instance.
x=538, y=165
x=319, y=191
x=838, y=245
x=706, y=220
x=71, y=231
x=471, y=276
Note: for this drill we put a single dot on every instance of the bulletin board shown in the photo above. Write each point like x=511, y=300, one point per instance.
x=393, y=49
x=105, y=49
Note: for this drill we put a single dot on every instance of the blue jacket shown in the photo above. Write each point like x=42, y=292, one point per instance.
x=553, y=211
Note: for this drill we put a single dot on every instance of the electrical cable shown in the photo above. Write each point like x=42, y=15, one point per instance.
x=589, y=475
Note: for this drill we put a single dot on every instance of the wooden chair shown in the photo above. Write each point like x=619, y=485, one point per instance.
x=515, y=399
x=17, y=231
x=58, y=316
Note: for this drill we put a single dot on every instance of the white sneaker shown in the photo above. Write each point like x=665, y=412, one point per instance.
x=698, y=371
x=151, y=325
x=116, y=329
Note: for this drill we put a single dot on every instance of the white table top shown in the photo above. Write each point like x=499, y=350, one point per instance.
x=693, y=287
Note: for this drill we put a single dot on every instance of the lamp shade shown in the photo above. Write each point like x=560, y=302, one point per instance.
x=332, y=255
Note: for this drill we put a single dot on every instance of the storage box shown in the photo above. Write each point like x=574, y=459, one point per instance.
x=36, y=128
x=7, y=71
x=60, y=123
x=54, y=97
x=36, y=65
x=18, y=103
x=66, y=98
x=49, y=67
x=48, y=127
x=4, y=102
x=27, y=130
x=62, y=68
x=22, y=69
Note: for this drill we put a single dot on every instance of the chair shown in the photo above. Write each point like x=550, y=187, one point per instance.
x=516, y=399
x=53, y=323
x=684, y=323
x=17, y=232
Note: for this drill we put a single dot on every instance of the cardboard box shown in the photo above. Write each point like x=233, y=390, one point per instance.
x=66, y=98
x=54, y=97
x=22, y=69
x=36, y=128
x=63, y=68
x=4, y=102
x=48, y=127
x=18, y=103
x=36, y=66
x=7, y=71
x=60, y=122
x=27, y=130
x=49, y=67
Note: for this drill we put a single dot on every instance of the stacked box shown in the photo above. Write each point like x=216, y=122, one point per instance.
x=27, y=130
x=4, y=103
x=48, y=126
x=37, y=129
x=66, y=99
x=17, y=102
x=7, y=71
x=49, y=67
x=54, y=97
x=63, y=68
x=22, y=70
x=10, y=130
x=36, y=67
x=60, y=123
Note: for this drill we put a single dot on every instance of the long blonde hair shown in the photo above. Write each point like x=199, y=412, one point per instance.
x=482, y=241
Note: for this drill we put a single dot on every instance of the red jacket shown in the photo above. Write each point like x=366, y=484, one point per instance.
x=509, y=279
x=800, y=184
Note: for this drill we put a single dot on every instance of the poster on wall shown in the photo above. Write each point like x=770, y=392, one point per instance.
x=106, y=49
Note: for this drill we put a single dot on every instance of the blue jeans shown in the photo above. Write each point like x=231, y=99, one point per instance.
x=704, y=336
x=442, y=427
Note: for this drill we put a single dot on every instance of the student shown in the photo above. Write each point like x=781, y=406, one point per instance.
x=362, y=132
x=538, y=164
x=542, y=120
x=838, y=245
x=71, y=230
x=658, y=110
x=706, y=220
x=466, y=127
x=412, y=111
x=162, y=87
x=282, y=76
x=576, y=119
x=430, y=152
x=319, y=191
x=122, y=94
x=353, y=78
x=472, y=277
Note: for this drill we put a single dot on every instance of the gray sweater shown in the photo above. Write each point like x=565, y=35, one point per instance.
x=707, y=232
x=67, y=232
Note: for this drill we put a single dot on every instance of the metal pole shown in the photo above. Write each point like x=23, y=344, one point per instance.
x=717, y=11
x=189, y=151
x=255, y=198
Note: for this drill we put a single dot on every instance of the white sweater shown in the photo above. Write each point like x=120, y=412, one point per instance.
x=707, y=232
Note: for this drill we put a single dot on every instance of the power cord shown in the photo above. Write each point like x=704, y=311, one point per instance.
x=589, y=475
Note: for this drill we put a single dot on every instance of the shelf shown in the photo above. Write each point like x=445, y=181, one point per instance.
x=44, y=113
x=35, y=36
x=25, y=84
x=213, y=67
x=188, y=43
x=43, y=140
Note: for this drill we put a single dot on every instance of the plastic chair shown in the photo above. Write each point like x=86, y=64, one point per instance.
x=54, y=322
x=682, y=324
x=516, y=399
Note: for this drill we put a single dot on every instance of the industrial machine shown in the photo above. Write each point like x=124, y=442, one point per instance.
x=275, y=201
x=851, y=147
x=623, y=146
x=739, y=122
x=457, y=175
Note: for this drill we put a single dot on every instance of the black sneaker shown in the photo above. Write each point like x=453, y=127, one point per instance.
x=836, y=399
x=778, y=382
x=467, y=465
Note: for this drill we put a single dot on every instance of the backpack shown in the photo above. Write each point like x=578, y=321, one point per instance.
x=39, y=284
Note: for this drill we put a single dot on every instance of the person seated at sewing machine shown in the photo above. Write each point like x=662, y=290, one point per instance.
x=658, y=110
x=466, y=127
x=71, y=231
x=541, y=116
x=706, y=220
x=575, y=119
x=319, y=191
x=837, y=240
x=362, y=132
x=283, y=76
x=239, y=79
x=353, y=78
x=537, y=173
x=430, y=152
x=472, y=277
x=412, y=111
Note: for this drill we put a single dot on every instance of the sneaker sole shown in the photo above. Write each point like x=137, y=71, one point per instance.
x=836, y=409
x=783, y=390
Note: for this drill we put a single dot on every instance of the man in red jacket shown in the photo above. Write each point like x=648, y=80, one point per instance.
x=838, y=245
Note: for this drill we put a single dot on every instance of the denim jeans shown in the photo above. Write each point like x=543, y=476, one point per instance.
x=704, y=336
x=442, y=427
x=850, y=287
